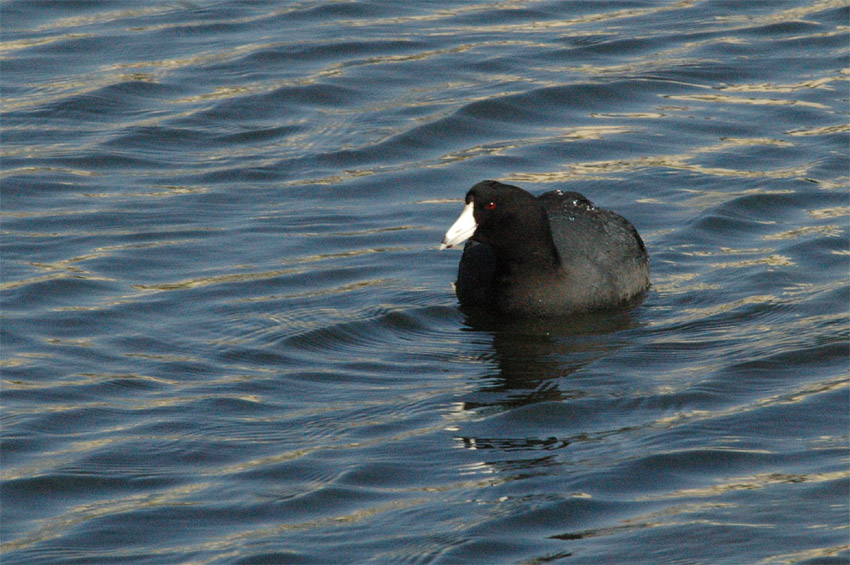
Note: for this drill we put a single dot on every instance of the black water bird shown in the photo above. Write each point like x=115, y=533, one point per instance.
x=552, y=255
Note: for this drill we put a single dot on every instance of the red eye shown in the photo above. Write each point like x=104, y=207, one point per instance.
x=490, y=206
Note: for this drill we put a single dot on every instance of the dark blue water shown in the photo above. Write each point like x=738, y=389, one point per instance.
x=228, y=335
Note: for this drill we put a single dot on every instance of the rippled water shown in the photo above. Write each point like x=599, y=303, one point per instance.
x=228, y=336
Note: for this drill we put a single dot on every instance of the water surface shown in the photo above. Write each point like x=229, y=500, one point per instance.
x=228, y=335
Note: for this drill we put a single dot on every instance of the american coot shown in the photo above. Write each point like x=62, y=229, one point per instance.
x=552, y=255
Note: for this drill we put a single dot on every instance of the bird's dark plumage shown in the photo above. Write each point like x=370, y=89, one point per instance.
x=556, y=254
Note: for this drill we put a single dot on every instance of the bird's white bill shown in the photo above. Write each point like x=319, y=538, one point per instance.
x=462, y=229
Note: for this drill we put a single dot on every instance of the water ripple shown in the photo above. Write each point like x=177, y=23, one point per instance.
x=227, y=334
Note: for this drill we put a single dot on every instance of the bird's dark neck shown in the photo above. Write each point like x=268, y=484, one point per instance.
x=533, y=257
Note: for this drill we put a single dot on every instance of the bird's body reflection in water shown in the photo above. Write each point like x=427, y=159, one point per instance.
x=535, y=363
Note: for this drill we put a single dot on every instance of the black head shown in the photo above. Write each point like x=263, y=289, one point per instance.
x=514, y=223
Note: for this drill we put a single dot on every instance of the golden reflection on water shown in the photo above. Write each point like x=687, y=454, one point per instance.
x=602, y=169
x=6, y=47
x=20, y=171
x=629, y=115
x=214, y=280
x=523, y=27
x=588, y=132
x=59, y=525
x=57, y=457
x=825, y=130
x=676, y=284
x=774, y=260
x=78, y=274
x=231, y=545
x=802, y=394
x=23, y=359
x=830, y=230
x=749, y=482
x=822, y=83
x=728, y=251
x=671, y=516
x=701, y=313
x=71, y=342
x=756, y=19
x=730, y=142
x=703, y=199
x=350, y=287
x=741, y=100
x=805, y=556
x=113, y=74
x=168, y=190
x=831, y=212
x=102, y=17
